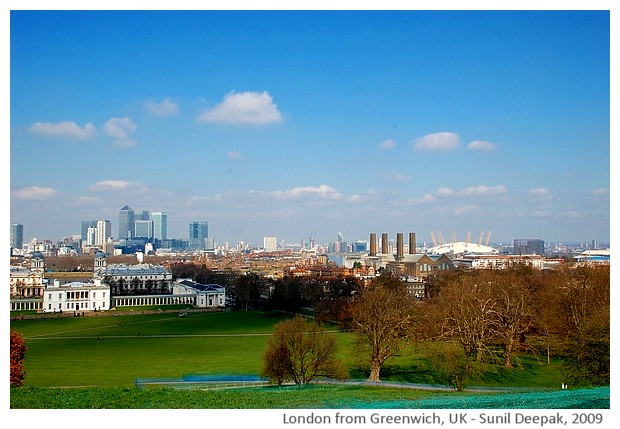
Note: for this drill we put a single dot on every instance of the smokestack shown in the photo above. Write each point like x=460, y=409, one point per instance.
x=373, y=244
x=412, y=243
x=400, y=247
x=384, y=243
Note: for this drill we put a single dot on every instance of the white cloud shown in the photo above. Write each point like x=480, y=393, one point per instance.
x=427, y=198
x=164, y=108
x=233, y=154
x=465, y=209
x=387, y=144
x=63, y=129
x=110, y=185
x=540, y=194
x=33, y=193
x=244, y=108
x=444, y=141
x=481, y=145
x=445, y=192
x=119, y=128
x=601, y=191
x=480, y=190
x=322, y=191
x=483, y=190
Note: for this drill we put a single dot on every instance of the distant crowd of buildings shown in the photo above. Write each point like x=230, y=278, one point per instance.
x=149, y=284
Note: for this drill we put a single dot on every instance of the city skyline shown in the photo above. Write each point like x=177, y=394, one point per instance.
x=301, y=124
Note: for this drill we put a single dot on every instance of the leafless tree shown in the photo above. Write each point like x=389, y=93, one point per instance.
x=383, y=319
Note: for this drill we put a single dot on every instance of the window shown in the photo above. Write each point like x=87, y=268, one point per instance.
x=49, y=306
x=49, y=296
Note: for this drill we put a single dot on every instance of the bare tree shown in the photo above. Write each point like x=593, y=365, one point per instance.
x=383, y=319
x=467, y=309
x=514, y=309
x=301, y=352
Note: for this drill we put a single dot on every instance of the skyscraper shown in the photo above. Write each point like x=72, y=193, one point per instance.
x=104, y=231
x=198, y=234
x=199, y=229
x=84, y=231
x=270, y=243
x=126, y=223
x=17, y=236
x=160, y=225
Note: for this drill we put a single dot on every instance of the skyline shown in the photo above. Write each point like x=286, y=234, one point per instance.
x=298, y=124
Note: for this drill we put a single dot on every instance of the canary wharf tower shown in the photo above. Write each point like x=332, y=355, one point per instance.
x=125, y=223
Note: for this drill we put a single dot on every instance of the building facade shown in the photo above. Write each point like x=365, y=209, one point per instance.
x=160, y=225
x=76, y=296
x=27, y=281
x=140, y=279
x=17, y=236
x=270, y=244
x=126, y=223
x=528, y=246
x=198, y=235
x=211, y=295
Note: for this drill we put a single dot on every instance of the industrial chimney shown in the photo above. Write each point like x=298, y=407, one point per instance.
x=400, y=246
x=384, y=243
x=412, y=243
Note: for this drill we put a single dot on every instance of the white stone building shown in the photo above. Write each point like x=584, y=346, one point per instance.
x=211, y=295
x=76, y=296
x=27, y=281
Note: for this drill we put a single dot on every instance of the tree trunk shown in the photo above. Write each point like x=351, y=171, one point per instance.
x=508, y=352
x=375, y=369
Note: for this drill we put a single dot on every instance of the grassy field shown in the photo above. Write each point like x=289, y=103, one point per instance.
x=116, y=350
x=105, y=355
x=311, y=396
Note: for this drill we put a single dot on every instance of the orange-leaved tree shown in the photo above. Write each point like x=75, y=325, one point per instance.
x=18, y=352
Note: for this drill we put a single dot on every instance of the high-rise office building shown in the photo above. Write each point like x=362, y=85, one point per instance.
x=270, y=243
x=199, y=229
x=142, y=215
x=160, y=225
x=143, y=229
x=126, y=223
x=17, y=236
x=198, y=234
x=525, y=246
x=104, y=231
x=84, y=230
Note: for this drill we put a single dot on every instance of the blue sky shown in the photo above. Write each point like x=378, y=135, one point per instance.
x=310, y=123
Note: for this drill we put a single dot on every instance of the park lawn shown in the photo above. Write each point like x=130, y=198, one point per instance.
x=115, y=350
x=294, y=397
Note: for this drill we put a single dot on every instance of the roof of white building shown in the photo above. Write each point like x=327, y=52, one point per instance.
x=462, y=247
x=201, y=287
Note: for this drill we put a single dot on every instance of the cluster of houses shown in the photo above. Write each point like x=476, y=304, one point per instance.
x=121, y=285
x=111, y=286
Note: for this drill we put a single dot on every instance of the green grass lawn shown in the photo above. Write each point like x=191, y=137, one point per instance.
x=112, y=350
x=104, y=355
x=116, y=350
